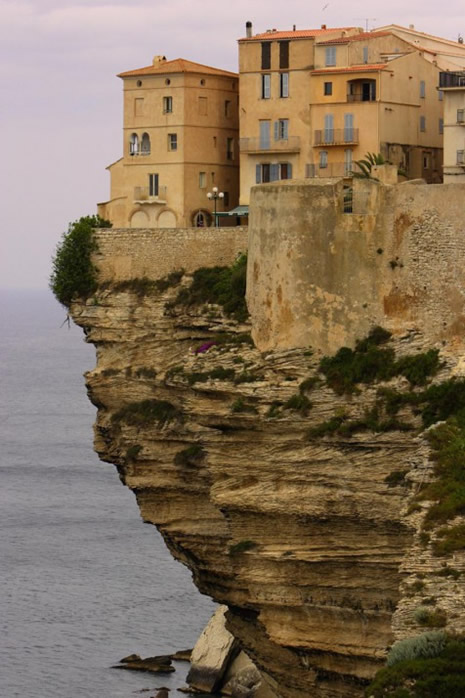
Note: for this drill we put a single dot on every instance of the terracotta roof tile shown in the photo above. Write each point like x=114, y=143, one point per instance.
x=298, y=34
x=363, y=36
x=178, y=65
x=352, y=68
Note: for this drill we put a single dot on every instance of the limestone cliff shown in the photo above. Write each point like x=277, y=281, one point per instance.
x=303, y=539
x=290, y=500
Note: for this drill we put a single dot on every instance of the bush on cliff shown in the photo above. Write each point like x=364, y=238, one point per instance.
x=73, y=274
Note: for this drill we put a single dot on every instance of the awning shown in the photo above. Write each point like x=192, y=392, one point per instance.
x=238, y=211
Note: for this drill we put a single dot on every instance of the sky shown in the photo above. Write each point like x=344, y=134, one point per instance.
x=61, y=102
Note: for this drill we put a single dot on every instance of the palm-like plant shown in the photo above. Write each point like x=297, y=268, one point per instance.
x=366, y=165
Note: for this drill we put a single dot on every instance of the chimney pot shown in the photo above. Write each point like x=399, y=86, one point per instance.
x=323, y=26
x=248, y=29
x=411, y=26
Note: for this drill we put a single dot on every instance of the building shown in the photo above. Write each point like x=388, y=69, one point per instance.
x=452, y=85
x=314, y=101
x=180, y=136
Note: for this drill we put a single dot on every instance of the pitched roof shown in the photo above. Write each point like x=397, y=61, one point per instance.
x=366, y=67
x=178, y=65
x=363, y=36
x=393, y=27
x=297, y=34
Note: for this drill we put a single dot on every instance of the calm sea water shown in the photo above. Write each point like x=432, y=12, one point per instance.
x=83, y=582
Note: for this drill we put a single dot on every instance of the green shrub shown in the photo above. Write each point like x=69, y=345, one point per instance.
x=224, y=286
x=274, y=409
x=299, y=403
x=241, y=405
x=397, y=477
x=192, y=455
x=148, y=412
x=432, y=619
x=447, y=571
x=145, y=372
x=133, y=451
x=309, y=384
x=242, y=547
x=331, y=426
x=418, y=369
x=247, y=377
x=422, y=646
x=218, y=373
x=73, y=274
x=449, y=540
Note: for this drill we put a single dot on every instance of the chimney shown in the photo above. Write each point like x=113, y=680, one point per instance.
x=158, y=59
x=293, y=27
x=323, y=26
x=248, y=29
x=411, y=26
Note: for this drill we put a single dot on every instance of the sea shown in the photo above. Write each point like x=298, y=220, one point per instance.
x=83, y=582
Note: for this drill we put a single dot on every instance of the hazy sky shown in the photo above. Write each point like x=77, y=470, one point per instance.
x=61, y=104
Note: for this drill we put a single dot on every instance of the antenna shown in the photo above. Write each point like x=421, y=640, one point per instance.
x=366, y=20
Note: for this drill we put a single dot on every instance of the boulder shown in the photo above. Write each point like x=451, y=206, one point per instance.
x=211, y=655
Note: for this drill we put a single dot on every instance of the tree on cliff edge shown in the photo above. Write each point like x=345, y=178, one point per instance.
x=73, y=274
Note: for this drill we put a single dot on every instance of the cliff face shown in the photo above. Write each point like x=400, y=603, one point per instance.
x=311, y=549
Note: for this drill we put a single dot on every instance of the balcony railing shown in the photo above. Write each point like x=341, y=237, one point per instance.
x=451, y=80
x=260, y=145
x=336, y=136
x=143, y=195
x=332, y=169
x=361, y=98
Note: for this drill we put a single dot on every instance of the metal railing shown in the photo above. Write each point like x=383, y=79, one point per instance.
x=257, y=145
x=456, y=79
x=332, y=169
x=144, y=194
x=336, y=136
x=359, y=97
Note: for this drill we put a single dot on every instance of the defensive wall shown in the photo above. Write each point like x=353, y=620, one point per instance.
x=129, y=253
x=320, y=277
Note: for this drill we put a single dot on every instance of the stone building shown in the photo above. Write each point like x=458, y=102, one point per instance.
x=453, y=86
x=314, y=101
x=180, y=130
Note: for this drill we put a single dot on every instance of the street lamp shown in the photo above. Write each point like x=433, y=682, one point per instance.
x=214, y=195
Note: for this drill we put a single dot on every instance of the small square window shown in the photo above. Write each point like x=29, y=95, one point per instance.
x=167, y=105
x=172, y=141
x=328, y=88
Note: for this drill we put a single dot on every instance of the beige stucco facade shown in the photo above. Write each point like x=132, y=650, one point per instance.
x=453, y=87
x=348, y=92
x=180, y=130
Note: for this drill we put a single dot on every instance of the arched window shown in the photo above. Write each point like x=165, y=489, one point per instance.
x=202, y=219
x=134, y=144
x=145, y=144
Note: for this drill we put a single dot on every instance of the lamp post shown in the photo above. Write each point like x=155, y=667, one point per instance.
x=214, y=195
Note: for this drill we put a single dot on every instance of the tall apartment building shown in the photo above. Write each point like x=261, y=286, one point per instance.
x=180, y=136
x=452, y=85
x=314, y=101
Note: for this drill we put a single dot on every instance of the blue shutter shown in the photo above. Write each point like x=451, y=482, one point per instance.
x=285, y=123
x=276, y=130
x=289, y=170
x=258, y=174
x=274, y=172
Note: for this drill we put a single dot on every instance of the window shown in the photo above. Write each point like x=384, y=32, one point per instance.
x=347, y=161
x=172, y=141
x=272, y=172
x=284, y=85
x=426, y=161
x=167, y=105
x=134, y=144
x=145, y=144
x=203, y=106
x=266, y=55
x=440, y=95
x=226, y=199
x=264, y=134
x=153, y=184
x=441, y=126
x=423, y=123
x=330, y=55
x=348, y=128
x=323, y=159
x=422, y=89
x=328, y=88
x=202, y=180
x=460, y=116
x=284, y=55
x=266, y=86
x=230, y=148
x=460, y=157
x=227, y=108
x=281, y=130
x=214, y=141
x=139, y=106
x=329, y=128
x=365, y=54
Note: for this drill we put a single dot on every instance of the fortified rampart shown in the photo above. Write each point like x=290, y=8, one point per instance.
x=128, y=253
x=318, y=276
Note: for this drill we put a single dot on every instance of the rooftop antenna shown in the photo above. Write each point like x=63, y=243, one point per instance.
x=366, y=20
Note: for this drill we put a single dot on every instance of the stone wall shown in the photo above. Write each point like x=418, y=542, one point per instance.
x=127, y=253
x=318, y=276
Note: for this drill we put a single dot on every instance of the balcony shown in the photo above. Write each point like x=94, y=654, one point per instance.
x=142, y=195
x=451, y=80
x=263, y=145
x=336, y=136
x=332, y=169
x=360, y=97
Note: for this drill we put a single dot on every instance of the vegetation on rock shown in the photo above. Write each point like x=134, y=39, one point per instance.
x=73, y=273
x=148, y=412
